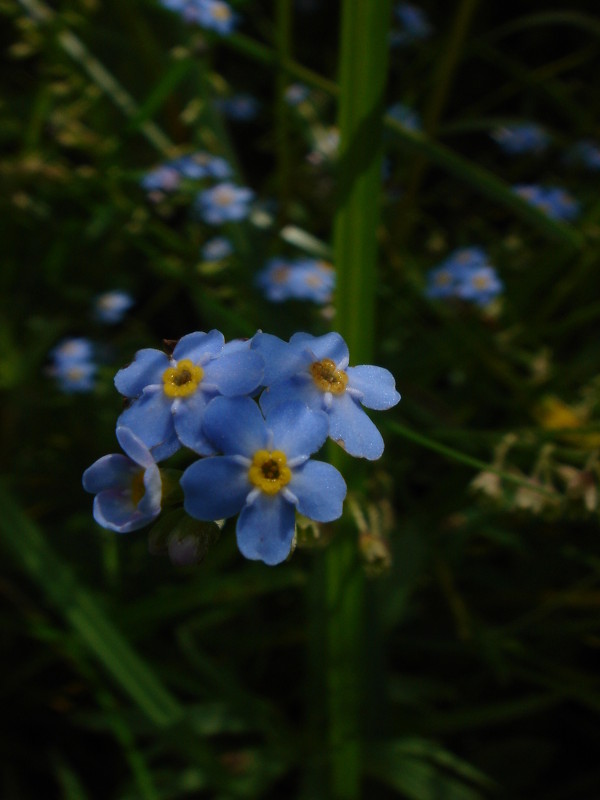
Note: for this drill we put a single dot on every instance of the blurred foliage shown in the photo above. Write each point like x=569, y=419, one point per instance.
x=126, y=677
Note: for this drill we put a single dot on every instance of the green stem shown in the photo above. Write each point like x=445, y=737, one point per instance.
x=363, y=70
x=283, y=23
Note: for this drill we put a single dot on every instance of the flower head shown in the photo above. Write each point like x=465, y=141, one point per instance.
x=73, y=366
x=265, y=474
x=521, y=138
x=216, y=249
x=315, y=371
x=128, y=488
x=467, y=274
x=414, y=25
x=170, y=394
x=111, y=307
x=224, y=203
x=300, y=279
x=555, y=202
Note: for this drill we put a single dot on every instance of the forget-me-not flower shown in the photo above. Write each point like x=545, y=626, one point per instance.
x=225, y=202
x=521, y=138
x=406, y=116
x=466, y=274
x=315, y=371
x=73, y=366
x=216, y=249
x=265, y=474
x=128, y=488
x=111, y=307
x=414, y=25
x=299, y=279
x=585, y=153
x=170, y=394
x=240, y=107
x=556, y=202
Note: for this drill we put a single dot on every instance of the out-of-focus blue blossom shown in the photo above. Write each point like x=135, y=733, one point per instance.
x=298, y=279
x=170, y=394
x=224, y=203
x=296, y=93
x=315, y=371
x=467, y=274
x=556, y=202
x=128, y=488
x=585, y=153
x=406, y=116
x=522, y=138
x=167, y=177
x=73, y=366
x=265, y=474
x=111, y=307
x=326, y=144
x=217, y=249
x=240, y=107
x=215, y=15
x=414, y=25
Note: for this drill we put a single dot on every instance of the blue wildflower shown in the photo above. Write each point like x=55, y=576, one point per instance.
x=521, y=138
x=168, y=177
x=111, y=307
x=265, y=474
x=128, y=488
x=170, y=394
x=585, y=153
x=240, y=107
x=315, y=371
x=164, y=178
x=300, y=279
x=414, y=25
x=296, y=93
x=216, y=249
x=225, y=202
x=73, y=366
x=479, y=285
x=555, y=202
x=216, y=15
x=406, y=116
x=466, y=274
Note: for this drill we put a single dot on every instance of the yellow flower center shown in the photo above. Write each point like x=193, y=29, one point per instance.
x=182, y=380
x=223, y=197
x=481, y=282
x=221, y=12
x=327, y=377
x=443, y=279
x=280, y=274
x=269, y=472
x=138, y=490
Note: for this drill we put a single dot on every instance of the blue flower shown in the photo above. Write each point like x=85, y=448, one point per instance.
x=164, y=178
x=167, y=177
x=216, y=249
x=296, y=93
x=585, y=153
x=301, y=279
x=265, y=474
x=522, y=138
x=467, y=274
x=240, y=107
x=479, y=285
x=414, y=25
x=111, y=307
x=406, y=116
x=73, y=366
x=224, y=203
x=128, y=488
x=214, y=15
x=315, y=371
x=554, y=201
x=170, y=394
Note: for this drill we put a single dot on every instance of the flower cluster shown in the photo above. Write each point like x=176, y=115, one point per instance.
x=111, y=307
x=73, y=365
x=214, y=15
x=169, y=176
x=521, y=138
x=298, y=279
x=255, y=411
x=465, y=274
x=225, y=202
x=555, y=202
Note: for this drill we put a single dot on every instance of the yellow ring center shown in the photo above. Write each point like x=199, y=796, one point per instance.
x=182, y=380
x=327, y=377
x=269, y=471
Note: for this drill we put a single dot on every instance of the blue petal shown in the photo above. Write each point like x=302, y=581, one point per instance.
x=235, y=426
x=297, y=429
x=281, y=359
x=150, y=503
x=134, y=447
x=331, y=345
x=320, y=490
x=215, y=488
x=199, y=347
x=109, y=472
x=265, y=529
x=150, y=419
x=235, y=373
x=376, y=385
x=188, y=414
x=114, y=510
x=352, y=429
x=297, y=389
x=146, y=369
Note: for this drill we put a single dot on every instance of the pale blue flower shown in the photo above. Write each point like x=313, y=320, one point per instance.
x=111, y=307
x=170, y=394
x=406, y=116
x=298, y=279
x=557, y=203
x=73, y=366
x=466, y=274
x=414, y=25
x=225, y=202
x=128, y=488
x=315, y=371
x=296, y=93
x=522, y=138
x=585, y=153
x=265, y=474
x=217, y=249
